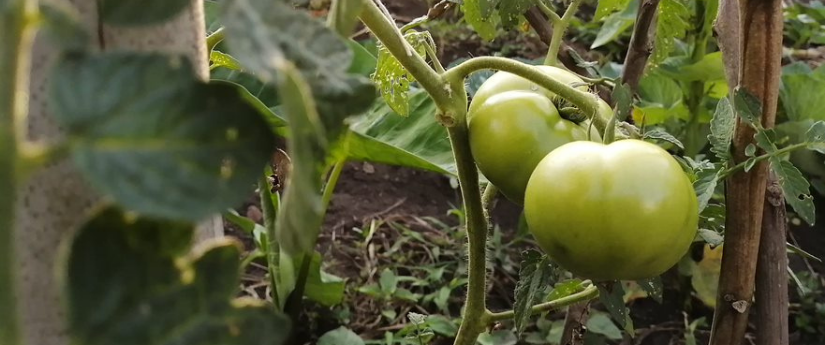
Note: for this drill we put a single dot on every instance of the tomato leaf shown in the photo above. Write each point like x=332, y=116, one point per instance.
x=340, y=336
x=607, y=7
x=672, y=24
x=485, y=26
x=616, y=24
x=705, y=186
x=796, y=188
x=612, y=296
x=171, y=124
x=511, y=11
x=600, y=323
x=816, y=136
x=536, y=273
x=653, y=287
x=748, y=107
x=661, y=134
x=219, y=59
x=721, y=128
x=139, y=12
x=133, y=281
x=392, y=78
x=712, y=238
x=802, y=92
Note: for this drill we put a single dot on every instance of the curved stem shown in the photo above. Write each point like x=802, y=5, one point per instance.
x=475, y=308
x=214, y=38
x=333, y=181
x=585, y=101
x=559, y=28
x=490, y=192
x=728, y=172
x=588, y=293
x=554, y=17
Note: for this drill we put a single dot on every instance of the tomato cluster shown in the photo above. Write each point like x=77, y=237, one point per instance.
x=622, y=211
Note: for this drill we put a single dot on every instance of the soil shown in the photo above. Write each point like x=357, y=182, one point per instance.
x=368, y=193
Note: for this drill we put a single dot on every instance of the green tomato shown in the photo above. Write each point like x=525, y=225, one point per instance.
x=504, y=81
x=623, y=211
x=512, y=131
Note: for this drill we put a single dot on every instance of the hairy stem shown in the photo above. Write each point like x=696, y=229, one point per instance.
x=589, y=293
x=17, y=19
x=585, y=101
x=473, y=322
x=559, y=28
x=554, y=17
x=741, y=166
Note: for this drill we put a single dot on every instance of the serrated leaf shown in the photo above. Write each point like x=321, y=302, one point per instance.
x=672, y=24
x=796, y=188
x=139, y=12
x=816, y=136
x=340, y=336
x=483, y=25
x=392, y=78
x=748, y=107
x=653, y=287
x=623, y=97
x=661, y=134
x=612, y=297
x=511, y=11
x=712, y=238
x=705, y=186
x=131, y=281
x=145, y=131
x=536, y=273
x=766, y=140
x=722, y=127
x=607, y=7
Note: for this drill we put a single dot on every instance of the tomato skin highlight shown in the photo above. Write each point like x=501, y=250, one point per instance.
x=504, y=81
x=623, y=211
x=512, y=131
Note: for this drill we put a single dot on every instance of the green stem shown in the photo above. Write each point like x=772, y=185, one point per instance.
x=475, y=307
x=559, y=28
x=610, y=131
x=434, y=57
x=696, y=90
x=728, y=172
x=587, y=294
x=587, y=102
x=17, y=20
x=487, y=198
x=554, y=17
x=385, y=30
x=214, y=39
x=269, y=207
x=329, y=188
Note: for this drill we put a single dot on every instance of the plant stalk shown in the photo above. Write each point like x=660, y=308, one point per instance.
x=589, y=293
x=696, y=89
x=17, y=18
x=214, y=39
x=587, y=102
x=559, y=29
x=269, y=208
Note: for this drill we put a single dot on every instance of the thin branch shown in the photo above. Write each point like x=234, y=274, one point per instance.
x=641, y=44
x=587, y=294
x=559, y=28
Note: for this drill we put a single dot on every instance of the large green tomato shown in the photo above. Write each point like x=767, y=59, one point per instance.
x=512, y=131
x=504, y=81
x=622, y=211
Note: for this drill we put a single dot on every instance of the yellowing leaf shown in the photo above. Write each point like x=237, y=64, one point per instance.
x=706, y=275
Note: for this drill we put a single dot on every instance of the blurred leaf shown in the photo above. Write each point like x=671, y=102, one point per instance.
x=721, y=127
x=388, y=281
x=322, y=287
x=612, y=297
x=130, y=281
x=748, y=106
x=709, y=69
x=363, y=62
x=705, y=186
x=511, y=11
x=713, y=238
x=616, y=24
x=705, y=275
x=672, y=24
x=485, y=26
x=392, y=78
x=606, y=7
x=623, y=98
x=442, y=325
x=660, y=89
x=536, y=273
x=796, y=189
x=802, y=92
x=816, y=136
x=340, y=336
x=139, y=12
x=346, y=15
x=600, y=323
x=501, y=337
x=62, y=25
x=212, y=9
x=199, y=160
x=653, y=287
x=219, y=59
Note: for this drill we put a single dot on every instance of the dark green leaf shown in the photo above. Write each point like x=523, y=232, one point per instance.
x=803, y=92
x=536, y=274
x=392, y=78
x=501, y=337
x=511, y=11
x=721, y=128
x=442, y=325
x=139, y=12
x=146, y=132
x=322, y=287
x=816, y=136
x=130, y=281
x=705, y=186
x=748, y=107
x=212, y=10
x=363, y=62
x=616, y=24
x=623, y=97
x=653, y=287
x=607, y=7
x=485, y=26
x=612, y=296
x=660, y=134
x=766, y=140
x=796, y=188
x=61, y=24
x=340, y=336
x=672, y=24
x=345, y=14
